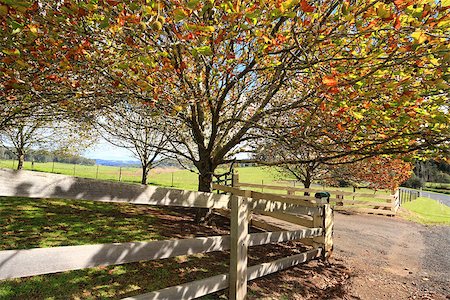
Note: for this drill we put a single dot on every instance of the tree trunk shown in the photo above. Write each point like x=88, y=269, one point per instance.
x=145, y=171
x=307, y=184
x=21, y=159
x=204, y=185
x=204, y=182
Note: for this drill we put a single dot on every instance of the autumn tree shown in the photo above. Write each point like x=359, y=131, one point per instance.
x=379, y=172
x=220, y=71
x=134, y=128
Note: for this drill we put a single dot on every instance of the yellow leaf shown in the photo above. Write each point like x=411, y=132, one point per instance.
x=383, y=11
x=419, y=36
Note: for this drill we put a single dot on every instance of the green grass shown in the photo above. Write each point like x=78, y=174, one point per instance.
x=182, y=179
x=427, y=211
x=28, y=223
x=437, y=185
x=35, y=223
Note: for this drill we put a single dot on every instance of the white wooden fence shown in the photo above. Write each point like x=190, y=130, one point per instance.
x=314, y=215
x=380, y=204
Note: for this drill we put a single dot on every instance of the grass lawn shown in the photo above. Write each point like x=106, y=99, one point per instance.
x=182, y=179
x=28, y=223
x=427, y=211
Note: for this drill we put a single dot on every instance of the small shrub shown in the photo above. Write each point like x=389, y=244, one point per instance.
x=413, y=182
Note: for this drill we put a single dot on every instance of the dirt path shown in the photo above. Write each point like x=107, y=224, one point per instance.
x=393, y=259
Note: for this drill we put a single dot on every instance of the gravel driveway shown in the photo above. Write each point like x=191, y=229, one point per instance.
x=393, y=259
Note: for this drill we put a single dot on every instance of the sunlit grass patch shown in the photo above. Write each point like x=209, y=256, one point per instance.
x=29, y=223
x=427, y=211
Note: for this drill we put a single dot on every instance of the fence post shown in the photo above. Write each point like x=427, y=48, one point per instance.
x=74, y=169
x=395, y=201
x=339, y=199
x=172, y=180
x=120, y=174
x=235, y=180
x=96, y=174
x=53, y=166
x=324, y=220
x=328, y=224
x=239, y=245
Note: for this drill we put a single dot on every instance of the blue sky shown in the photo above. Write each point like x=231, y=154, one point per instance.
x=104, y=150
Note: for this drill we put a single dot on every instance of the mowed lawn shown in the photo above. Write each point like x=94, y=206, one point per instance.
x=29, y=223
x=34, y=223
x=177, y=178
x=168, y=177
x=427, y=211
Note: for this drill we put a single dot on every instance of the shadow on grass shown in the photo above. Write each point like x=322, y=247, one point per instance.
x=42, y=223
x=114, y=282
x=313, y=280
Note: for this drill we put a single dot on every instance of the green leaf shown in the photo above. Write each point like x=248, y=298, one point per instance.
x=15, y=25
x=193, y=4
x=11, y=51
x=179, y=15
x=204, y=50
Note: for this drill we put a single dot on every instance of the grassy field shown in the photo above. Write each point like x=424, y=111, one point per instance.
x=29, y=223
x=171, y=177
x=427, y=211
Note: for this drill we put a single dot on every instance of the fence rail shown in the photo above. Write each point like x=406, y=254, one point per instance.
x=342, y=201
x=29, y=262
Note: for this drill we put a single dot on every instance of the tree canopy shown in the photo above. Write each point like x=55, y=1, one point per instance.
x=370, y=76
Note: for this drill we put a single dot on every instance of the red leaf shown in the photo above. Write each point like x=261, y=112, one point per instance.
x=306, y=7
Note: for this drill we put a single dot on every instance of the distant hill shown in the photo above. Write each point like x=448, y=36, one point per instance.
x=118, y=163
x=168, y=163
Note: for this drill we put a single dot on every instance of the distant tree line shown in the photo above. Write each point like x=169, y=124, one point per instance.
x=429, y=171
x=44, y=156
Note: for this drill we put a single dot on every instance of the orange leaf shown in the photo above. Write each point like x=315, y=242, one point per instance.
x=398, y=3
x=329, y=81
x=340, y=127
x=306, y=7
x=51, y=77
x=397, y=24
x=112, y=2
